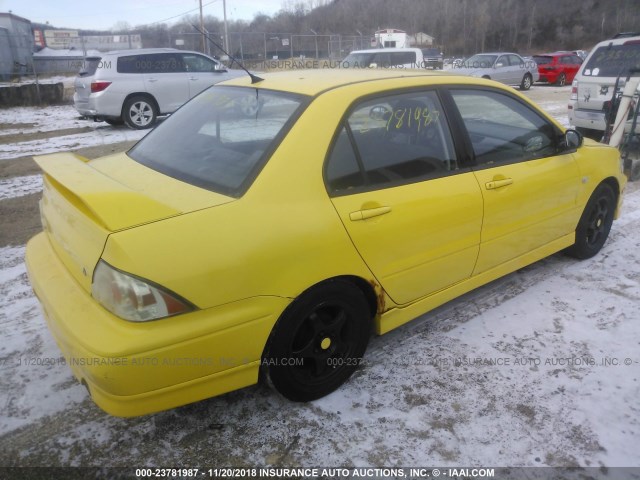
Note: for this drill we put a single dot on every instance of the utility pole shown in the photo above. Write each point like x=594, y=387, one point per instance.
x=226, y=33
x=203, y=40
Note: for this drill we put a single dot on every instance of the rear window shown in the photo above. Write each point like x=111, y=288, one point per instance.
x=613, y=60
x=221, y=139
x=540, y=60
x=89, y=66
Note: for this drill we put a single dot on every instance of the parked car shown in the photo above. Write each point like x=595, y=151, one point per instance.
x=557, y=68
x=385, y=58
x=137, y=86
x=433, y=58
x=221, y=247
x=508, y=68
x=594, y=85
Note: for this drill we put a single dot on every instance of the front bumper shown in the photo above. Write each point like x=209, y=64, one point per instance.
x=138, y=368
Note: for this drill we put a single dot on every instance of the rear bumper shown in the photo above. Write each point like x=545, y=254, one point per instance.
x=104, y=104
x=594, y=119
x=138, y=368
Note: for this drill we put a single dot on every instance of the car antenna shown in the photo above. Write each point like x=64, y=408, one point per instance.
x=254, y=78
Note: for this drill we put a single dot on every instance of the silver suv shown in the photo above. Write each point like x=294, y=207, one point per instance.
x=136, y=86
x=595, y=83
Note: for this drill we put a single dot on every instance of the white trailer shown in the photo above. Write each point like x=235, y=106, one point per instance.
x=392, y=38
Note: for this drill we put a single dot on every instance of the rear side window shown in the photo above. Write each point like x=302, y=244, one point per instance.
x=391, y=141
x=151, y=63
x=613, y=60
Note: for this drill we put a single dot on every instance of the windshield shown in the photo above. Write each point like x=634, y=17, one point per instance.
x=540, y=60
x=613, y=60
x=431, y=52
x=221, y=139
x=480, y=61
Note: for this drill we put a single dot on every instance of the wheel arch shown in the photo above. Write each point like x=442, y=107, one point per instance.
x=140, y=94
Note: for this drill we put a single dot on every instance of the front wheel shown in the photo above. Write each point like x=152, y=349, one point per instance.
x=595, y=223
x=139, y=113
x=527, y=81
x=319, y=341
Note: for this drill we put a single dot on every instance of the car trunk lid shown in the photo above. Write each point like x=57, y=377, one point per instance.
x=85, y=201
x=82, y=83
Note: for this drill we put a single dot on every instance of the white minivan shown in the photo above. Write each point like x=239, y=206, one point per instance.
x=137, y=86
x=595, y=83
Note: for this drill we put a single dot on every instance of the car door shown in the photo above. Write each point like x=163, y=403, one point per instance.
x=517, y=69
x=502, y=70
x=529, y=187
x=165, y=79
x=412, y=211
x=202, y=72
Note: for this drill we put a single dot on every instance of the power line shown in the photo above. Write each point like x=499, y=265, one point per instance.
x=182, y=14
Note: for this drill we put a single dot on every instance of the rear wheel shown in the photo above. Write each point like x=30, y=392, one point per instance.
x=114, y=121
x=319, y=341
x=595, y=223
x=561, y=80
x=527, y=81
x=139, y=112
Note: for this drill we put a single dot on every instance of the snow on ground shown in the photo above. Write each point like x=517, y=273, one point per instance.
x=33, y=120
x=20, y=186
x=28, y=390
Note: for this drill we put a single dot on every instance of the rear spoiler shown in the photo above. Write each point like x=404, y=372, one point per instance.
x=107, y=202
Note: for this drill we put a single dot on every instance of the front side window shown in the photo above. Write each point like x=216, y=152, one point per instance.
x=215, y=142
x=502, y=129
x=198, y=63
x=391, y=141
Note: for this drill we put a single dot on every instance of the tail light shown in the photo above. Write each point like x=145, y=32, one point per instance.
x=133, y=298
x=99, y=86
x=574, y=91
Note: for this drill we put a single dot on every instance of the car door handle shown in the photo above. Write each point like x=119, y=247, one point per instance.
x=193, y=78
x=498, y=183
x=368, y=213
x=152, y=80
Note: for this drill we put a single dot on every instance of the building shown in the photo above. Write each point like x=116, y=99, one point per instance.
x=421, y=39
x=16, y=45
x=391, y=38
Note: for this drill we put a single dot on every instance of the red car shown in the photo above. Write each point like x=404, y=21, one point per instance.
x=558, y=67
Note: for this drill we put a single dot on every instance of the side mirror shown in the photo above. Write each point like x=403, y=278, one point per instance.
x=499, y=65
x=572, y=139
x=379, y=112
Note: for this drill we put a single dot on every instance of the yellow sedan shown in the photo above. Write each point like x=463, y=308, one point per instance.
x=233, y=244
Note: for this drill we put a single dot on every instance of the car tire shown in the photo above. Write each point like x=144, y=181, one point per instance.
x=114, y=121
x=595, y=223
x=318, y=342
x=140, y=112
x=561, y=81
x=527, y=81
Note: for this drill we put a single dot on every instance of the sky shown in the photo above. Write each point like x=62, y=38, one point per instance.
x=85, y=14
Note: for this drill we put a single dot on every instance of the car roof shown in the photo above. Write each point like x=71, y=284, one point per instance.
x=313, y=82
x=144, y=51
